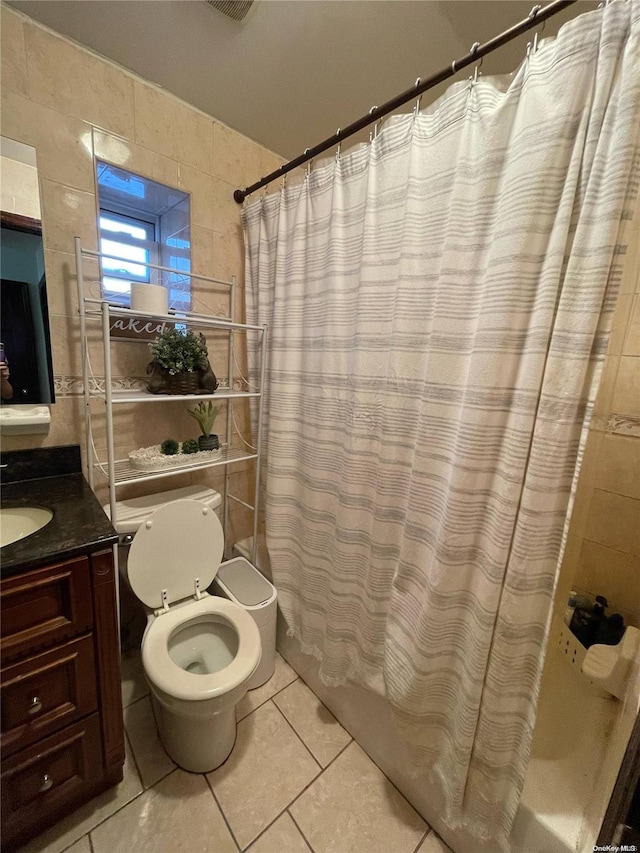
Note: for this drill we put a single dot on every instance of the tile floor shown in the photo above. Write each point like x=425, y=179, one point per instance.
x=295, y=782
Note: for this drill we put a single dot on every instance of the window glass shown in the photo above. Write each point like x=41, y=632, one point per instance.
x=143, y=222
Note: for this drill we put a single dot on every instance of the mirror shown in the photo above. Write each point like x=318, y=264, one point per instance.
x=26, y=371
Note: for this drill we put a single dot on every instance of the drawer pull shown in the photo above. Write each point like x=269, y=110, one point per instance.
x=35, y=705
x=47, y=783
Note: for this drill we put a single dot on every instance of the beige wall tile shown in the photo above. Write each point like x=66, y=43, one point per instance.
x=172, y=128
x=135, y=158
x=614, y=521
x=12, y=48
x=618, y=466
x=631, y=344
x=202, y=257
x=67, y=213
x=604, y=398
x=62, y=282
x=72, y=81
x=229, y=257
x=204, y=190
x=626, y=394
x=63, y=143
x=614, y=574
x=235, y=158
x=621, y=319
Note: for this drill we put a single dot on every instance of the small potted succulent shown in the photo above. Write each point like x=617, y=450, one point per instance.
x=205, y=414
x=182, y=355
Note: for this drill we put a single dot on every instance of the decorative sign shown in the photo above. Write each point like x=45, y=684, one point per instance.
x=137, y=328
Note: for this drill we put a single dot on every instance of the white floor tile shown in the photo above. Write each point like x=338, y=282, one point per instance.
x=316, y=725
x=283, y=837
x=267, y=769
x=153, y=762
x=134, y=684
x=353, y=807
x=282, y=675
x=81, y=846
x=178, y=815
x=433, y=844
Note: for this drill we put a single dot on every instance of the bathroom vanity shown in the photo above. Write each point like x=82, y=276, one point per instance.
x=62, y=736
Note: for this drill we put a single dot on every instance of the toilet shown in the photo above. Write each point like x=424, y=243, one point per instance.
x=199, y=651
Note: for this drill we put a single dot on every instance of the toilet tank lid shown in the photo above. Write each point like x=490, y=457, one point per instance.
x=130, y=514
x=244, y=582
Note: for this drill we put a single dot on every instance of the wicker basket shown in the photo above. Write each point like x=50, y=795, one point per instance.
x=183, y=383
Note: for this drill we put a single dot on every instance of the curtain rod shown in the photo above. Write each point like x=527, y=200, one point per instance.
x=478, y=51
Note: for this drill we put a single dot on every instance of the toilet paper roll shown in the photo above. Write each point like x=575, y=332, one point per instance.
x=152, y=298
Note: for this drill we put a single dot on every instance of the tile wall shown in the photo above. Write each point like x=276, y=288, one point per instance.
x=73, y=106
x=602, y=556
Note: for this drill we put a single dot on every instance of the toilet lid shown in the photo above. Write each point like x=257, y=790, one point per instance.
x=178, y=543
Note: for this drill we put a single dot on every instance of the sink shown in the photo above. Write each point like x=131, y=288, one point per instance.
x=18, y=522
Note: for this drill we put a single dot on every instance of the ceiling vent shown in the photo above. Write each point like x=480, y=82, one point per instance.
x=236, y=9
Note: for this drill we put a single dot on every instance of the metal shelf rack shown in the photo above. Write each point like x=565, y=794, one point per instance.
x=119, y=472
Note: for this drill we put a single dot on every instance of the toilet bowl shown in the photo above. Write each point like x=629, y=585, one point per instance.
x=199, y=651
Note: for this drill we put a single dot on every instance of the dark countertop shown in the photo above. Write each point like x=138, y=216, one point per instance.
x=79, y=524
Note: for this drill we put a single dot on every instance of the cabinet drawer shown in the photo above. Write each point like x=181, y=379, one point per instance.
x=38, y=782
x=45, y=606
x=46, y=692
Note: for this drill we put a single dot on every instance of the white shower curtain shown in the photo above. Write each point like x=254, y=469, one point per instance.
x=438, y=305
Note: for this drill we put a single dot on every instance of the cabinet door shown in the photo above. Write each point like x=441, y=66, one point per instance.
x=46, y=692
x=45, y=606
x=40, y=782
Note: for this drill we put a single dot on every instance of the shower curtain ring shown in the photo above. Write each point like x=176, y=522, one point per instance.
x=284, y=178
x=476, y=68
x=372, y=135
x=339, y=146
x=533, y=13
x=416, y=109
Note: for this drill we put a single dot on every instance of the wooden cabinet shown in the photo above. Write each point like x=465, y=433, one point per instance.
x=62, y=734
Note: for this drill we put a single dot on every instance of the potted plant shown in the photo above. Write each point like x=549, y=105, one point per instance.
x=182, y=355
x=205, y=414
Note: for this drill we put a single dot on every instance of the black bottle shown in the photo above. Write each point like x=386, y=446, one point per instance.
x=610, y=630
x=585, y=623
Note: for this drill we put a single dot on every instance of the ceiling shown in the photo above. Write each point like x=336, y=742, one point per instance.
x=293, y=71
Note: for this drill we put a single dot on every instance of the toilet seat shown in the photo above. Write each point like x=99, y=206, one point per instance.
x=177, y=682
x=180, y=542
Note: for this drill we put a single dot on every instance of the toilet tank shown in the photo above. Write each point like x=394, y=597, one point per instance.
x=130, y=514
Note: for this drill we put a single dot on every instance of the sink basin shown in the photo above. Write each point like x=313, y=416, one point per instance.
x=18, y=522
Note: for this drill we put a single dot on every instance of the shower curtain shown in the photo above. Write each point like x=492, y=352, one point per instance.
x=438, y=304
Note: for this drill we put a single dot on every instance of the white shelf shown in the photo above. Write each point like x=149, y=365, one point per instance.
x=118, y=472
x=184, y=317
x=146, y=397
x=123, y=473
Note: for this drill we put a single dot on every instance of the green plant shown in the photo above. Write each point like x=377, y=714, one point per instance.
x=179, y=352
x=190, y=446
x=205, y=414
x=169, y=447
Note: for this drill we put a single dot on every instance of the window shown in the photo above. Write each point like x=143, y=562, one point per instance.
x=125, y=237
x=143, y=222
